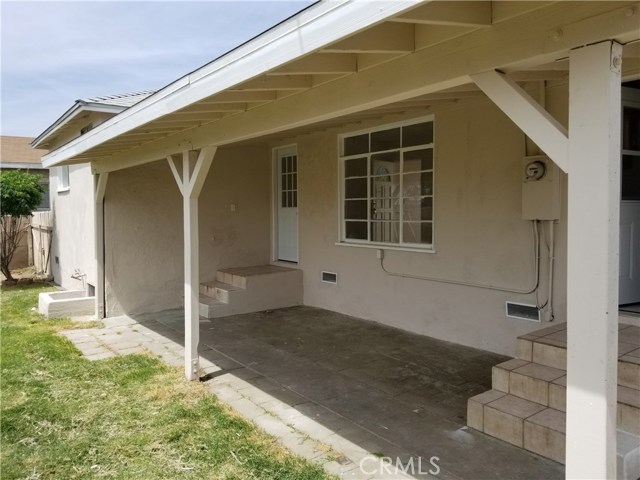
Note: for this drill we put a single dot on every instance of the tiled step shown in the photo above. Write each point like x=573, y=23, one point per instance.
x=242, y=290
x=547, y=386
x=549, y=347
x=538, y=429
x=527, y=380
x=528, y=402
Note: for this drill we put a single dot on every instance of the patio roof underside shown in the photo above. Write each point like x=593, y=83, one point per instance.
x=418, y=58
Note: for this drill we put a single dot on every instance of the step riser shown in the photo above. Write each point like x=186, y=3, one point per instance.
x=219, y=293
x=543, y=354
x=235, y=280
x=553, y=395
x=243, y=290
x=516, y=430
x=544, y=441
x=527, y=404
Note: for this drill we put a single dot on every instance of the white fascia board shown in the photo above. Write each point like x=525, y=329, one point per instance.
x=305, y=33
x=79, y=107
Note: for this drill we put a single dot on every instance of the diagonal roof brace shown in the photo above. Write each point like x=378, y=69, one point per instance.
x=527, y=114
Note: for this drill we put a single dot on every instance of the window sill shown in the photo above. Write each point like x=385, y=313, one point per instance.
x=383, y=246
x=63, y=190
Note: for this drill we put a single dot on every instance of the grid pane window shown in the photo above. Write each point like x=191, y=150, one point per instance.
x=387, y=186
x=289, y=181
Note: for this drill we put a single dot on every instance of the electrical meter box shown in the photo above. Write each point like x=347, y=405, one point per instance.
x=540, y=189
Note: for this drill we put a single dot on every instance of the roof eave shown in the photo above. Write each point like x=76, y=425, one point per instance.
x=309, y=31
x=77, y=108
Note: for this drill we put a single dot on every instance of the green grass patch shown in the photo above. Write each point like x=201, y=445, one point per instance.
x=131, y=417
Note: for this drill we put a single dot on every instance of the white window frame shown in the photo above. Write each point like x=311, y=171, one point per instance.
x=63, y=179
x=343, y=240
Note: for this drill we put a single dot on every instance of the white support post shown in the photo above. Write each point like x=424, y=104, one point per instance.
x=190, y=186
x=100, y=186
x=592, y=260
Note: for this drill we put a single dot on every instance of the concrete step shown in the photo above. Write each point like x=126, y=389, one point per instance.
x=539, y=429
x=211, y=308
x=242, y=290
x=220, y=291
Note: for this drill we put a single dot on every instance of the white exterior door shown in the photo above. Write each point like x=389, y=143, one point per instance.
x=287, y=204
x=630, y=200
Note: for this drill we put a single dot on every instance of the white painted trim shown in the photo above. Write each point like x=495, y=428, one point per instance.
x=100, y=188
x=275, y=202
x=527, y=114
x=342, y=240
x=75, y=110
x=385, y=246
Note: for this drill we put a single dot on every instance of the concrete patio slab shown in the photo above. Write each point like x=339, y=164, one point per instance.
x=364, y=400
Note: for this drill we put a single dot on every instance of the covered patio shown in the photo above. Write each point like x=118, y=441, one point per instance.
x=342, y=391
x=330, y=68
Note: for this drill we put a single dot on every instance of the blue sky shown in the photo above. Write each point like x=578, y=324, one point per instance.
x=53, y=53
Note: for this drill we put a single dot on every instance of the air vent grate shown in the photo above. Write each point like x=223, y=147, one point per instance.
x=523, y=311
x=329, y=277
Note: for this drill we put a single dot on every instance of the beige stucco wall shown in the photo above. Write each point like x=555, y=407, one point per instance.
x=143, y=227
x=479, y=233
x=72, y=245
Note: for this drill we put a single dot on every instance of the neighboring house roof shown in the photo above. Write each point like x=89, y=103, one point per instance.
x=16, y=152
x=119, y=100
x=113, y=104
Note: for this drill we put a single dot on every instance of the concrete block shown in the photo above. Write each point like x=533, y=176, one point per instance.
x=558, y=394
x=524, y=349
x=500, y=379
x=504, y=418
x=544, y=434
x=475, y=408
x=531, y=382
x=101, y=356
x=272, y=425
x=245, y=407
x=67, y=303
x=500, y=373
x=549, y=355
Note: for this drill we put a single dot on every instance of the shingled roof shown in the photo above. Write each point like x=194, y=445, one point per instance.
x=108, y=103
x=17, y=150
x=121, y=99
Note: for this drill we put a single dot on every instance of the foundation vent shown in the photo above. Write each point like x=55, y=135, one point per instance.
x=523, y=311
x=330, y=277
